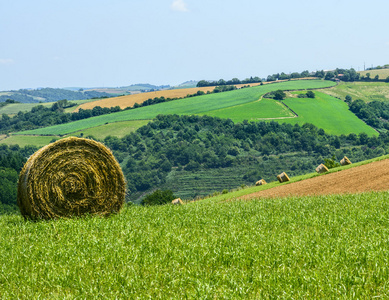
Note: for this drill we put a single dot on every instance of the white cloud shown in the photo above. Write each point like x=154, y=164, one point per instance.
x=6, y=61
x=179, y=5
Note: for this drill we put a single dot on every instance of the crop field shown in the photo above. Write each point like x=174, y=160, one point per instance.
x=382, y=73
x=299, y=247
x=366, y=91
x=328, y=113
x=130, y=100
x=254, y=111
x=118, y=129
x=24, y=140
x=195, y=105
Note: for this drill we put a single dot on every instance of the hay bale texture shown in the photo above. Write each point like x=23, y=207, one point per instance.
x=260, y=182
x=177, y=201
x=321, y=169
x=345, y=161
x=71, y=177
x=283, y=177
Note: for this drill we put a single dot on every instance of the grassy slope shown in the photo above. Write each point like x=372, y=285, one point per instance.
x=195, y=105
x=367, y=91
x=382, y=73
x=306, y=248
x=327, y=112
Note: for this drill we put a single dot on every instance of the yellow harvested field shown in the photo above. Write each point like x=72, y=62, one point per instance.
x=130, y=100
x=382, y=73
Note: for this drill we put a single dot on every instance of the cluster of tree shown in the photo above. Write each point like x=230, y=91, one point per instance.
x=343, y=74
x=284, y=76
x=12, y=160
x=374, y=113
x=308, y=94
x=8, y=101
x=233, y=81
x=51, y=95
x=194, y=143
x=41, y=116
x=159, y=197
x=276, y=95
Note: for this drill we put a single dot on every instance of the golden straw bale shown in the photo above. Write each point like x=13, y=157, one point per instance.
x=177, y=201
x=283, y=177
x=261, y=182
x=345, y=161
x=71, y=177
x=321, y=169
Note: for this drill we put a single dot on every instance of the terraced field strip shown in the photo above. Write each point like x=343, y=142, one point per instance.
x=24, y=140
x=187, y=106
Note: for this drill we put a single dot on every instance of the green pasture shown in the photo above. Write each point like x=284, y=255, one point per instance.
x=328, y=247
x=254, y=111
x=118, y=129
x=382, y=73
x=187, y=106
x=328, y=113
x=366, y=91
x=24, y=140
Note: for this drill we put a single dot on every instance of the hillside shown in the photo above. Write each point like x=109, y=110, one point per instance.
x=382, y=73
x=369, y=177
x=49, y=95
x=194, y=105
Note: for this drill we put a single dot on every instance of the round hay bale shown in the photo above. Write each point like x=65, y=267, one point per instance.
x=345, y=161
x=177, y=201
x=321, y=169
x=260, y=182
x=71, y=177
x=283, y=177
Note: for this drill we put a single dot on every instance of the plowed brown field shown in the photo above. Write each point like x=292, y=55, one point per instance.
x=370, y=177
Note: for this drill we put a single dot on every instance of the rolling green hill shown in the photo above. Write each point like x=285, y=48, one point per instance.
x=195, y=105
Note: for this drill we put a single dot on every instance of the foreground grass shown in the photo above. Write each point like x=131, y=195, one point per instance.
x=311, y=247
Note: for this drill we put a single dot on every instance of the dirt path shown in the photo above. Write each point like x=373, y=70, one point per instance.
x=370, y=177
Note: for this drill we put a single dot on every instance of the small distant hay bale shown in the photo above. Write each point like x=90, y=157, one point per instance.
x=321, y=169
x=261, y=182
x=71, y=177
x=283, y=177
x=177, y=201
x=345, y=161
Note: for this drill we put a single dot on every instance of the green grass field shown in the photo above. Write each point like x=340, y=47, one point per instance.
x=367, y=91
x=24, y=140
x=325, y=247
x=253, y=111
x=328, y=113
x=195, y=105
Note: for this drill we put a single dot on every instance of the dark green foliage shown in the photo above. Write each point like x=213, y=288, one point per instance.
x=375, y=113
x=310, y=94
x=41, y=116
x=331, y=163
x=197, y=155
x=12, y=159
x=279, y=95
x=159, y=197
x=51, y=95
x=233, y=81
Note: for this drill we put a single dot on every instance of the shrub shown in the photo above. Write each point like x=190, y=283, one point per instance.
x=310, y=94
x=331, y=163
x=159, y=197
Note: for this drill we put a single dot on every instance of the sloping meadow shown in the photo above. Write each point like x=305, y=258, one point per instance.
x=311, y=247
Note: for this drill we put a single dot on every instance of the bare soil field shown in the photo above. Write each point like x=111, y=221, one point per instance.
x=370, y=177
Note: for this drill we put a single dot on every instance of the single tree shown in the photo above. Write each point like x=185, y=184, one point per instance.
x=279, y=95
x=310, y=94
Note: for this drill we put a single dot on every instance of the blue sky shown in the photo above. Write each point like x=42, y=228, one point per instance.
x=88, y=43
